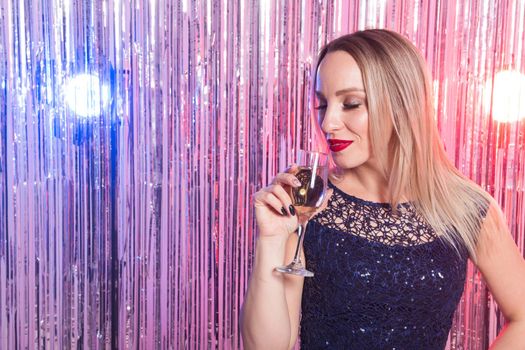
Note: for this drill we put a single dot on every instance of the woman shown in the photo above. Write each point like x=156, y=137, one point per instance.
x=389, y=246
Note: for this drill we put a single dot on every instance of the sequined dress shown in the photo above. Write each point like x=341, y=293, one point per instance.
x=381, y=281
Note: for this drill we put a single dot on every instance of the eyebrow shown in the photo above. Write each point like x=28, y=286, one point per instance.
x=341, y=92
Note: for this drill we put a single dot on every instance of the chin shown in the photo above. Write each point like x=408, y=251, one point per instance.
x=348, y=164
x=345, y=163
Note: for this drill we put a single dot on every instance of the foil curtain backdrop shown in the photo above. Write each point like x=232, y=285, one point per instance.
x=131, y=225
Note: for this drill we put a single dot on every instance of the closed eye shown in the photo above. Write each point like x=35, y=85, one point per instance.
x=346, y=106
x=351, y=105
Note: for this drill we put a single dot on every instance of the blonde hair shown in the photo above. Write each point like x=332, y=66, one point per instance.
x=398, y=90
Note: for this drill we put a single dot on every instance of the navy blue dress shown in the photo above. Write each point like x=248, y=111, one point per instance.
x=381, y=281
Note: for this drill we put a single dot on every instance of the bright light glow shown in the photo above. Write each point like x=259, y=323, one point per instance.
x=86, y=96
x=507, y=96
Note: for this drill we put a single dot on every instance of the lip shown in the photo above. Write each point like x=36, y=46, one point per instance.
x=338, y=145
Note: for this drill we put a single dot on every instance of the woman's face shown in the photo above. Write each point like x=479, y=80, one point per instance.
x=342, y=107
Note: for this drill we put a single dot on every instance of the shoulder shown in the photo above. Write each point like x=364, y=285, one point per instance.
x=494, y=222
x=494, y=235
x=501, y=263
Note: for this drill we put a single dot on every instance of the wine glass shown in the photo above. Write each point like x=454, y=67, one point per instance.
x=312, y=172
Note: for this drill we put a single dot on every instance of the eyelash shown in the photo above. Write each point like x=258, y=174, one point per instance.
x=345, y=106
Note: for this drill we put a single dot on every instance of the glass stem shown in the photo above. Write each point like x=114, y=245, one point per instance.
x=300, y=234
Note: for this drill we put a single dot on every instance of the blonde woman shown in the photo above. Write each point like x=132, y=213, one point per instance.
x=389, y=247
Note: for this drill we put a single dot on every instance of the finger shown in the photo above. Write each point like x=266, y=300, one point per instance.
x=265, y=198
x=292, y=168
x=286, y=179
x=283, y=196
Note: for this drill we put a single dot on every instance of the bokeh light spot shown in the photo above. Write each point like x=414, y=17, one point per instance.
x=86, y=95
x=506, y=93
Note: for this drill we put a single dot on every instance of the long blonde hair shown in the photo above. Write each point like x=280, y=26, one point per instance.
x=397, y=86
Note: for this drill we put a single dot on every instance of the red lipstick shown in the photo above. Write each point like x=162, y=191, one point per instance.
x=338, y=145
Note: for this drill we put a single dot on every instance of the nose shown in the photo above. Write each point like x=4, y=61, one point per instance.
x=331, y=120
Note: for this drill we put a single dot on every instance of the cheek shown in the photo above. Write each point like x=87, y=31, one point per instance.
x=362, y=124
x=358, y=124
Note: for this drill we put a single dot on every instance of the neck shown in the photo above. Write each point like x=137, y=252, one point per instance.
x=367, y=182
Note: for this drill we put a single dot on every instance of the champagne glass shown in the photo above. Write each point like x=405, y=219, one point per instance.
x=312, y=172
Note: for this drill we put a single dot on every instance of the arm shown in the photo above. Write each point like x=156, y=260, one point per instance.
x=271, y=310
x=503, y=268
x=270, y=314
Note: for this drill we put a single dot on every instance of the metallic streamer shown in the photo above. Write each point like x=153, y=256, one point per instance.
x=125, y=192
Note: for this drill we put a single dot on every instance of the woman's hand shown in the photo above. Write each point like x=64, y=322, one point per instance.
x=274, y=213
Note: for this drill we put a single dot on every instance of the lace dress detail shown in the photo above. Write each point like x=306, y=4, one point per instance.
x=381, y=281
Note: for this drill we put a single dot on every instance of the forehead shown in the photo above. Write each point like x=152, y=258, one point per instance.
x=338, y=70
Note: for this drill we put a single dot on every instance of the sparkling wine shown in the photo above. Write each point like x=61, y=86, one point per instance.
x=309, y=196
x=312, y=173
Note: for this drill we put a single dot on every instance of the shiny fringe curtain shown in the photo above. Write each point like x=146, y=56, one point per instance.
x=125, y=198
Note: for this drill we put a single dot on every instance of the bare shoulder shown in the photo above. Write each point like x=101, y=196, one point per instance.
x=494, y=224
x=494, y=235
x=501, y=263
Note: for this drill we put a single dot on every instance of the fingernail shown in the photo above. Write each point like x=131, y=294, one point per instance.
x=284, y=211
x=292, y=210
x=296, y=182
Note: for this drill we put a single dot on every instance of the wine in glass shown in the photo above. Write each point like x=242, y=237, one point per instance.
x=312, y=172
